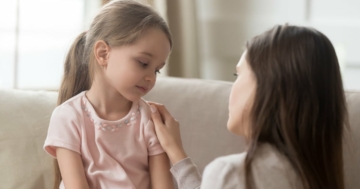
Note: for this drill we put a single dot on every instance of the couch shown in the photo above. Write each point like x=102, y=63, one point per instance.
x=201, y=106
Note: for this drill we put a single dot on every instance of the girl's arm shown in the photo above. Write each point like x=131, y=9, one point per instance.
x=160, y=175
x=72, y=169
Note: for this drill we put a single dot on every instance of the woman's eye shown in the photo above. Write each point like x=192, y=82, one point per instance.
x=236, y=75
x=157, y=72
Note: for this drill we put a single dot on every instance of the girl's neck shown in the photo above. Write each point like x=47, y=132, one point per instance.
x=108, y=103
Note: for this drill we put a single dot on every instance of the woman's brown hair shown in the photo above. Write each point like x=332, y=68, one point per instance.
x=299, y=105
x=119, y=22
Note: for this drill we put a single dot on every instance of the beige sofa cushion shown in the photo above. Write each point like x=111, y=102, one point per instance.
x=24, y=119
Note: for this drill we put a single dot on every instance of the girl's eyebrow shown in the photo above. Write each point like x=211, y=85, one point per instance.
x=151, y=55
x=147, y=53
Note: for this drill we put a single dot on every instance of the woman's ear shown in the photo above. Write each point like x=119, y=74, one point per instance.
x=101, y=52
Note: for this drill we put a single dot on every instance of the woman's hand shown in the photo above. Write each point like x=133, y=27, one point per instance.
x=168, y=132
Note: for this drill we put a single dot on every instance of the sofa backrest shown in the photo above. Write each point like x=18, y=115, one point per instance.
x=24, y=119
x=201, y=106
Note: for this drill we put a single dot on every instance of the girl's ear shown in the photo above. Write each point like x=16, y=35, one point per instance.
x=101, y=52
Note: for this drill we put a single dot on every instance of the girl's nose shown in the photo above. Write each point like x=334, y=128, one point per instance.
x=150, y=77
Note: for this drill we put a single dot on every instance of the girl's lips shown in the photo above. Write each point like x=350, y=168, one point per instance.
x=142, y=89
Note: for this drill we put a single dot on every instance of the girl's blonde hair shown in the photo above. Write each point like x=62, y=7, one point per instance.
x=120, y=22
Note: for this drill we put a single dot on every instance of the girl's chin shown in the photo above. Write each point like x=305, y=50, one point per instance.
x=133, y=97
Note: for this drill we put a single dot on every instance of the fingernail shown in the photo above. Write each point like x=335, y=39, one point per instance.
x=153, y=108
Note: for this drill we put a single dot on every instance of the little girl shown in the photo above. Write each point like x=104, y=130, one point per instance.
x=101, y=133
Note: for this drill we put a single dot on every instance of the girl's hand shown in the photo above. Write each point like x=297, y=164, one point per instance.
x=168, y=132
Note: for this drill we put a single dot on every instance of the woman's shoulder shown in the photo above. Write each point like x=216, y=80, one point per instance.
x=230, y=161
x=267, y=157
x=270, y=169
x=225, y=172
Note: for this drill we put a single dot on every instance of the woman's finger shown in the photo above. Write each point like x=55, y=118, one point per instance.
x=165, y=114
x=156, y=117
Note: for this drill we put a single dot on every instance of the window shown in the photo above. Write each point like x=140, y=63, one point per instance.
x=35, y=37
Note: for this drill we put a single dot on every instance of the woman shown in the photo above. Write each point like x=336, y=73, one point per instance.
x=288, y=102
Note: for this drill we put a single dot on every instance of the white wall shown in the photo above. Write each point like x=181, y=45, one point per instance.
x=224, y=27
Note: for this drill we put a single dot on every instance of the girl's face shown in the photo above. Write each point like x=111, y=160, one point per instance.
x=131, y=69
x=241, y=98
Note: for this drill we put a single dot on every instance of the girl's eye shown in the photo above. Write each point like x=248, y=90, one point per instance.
x=157, y=72
x=143, y=64
x=236, y=75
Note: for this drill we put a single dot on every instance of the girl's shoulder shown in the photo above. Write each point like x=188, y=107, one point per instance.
x=71, y=108
x=144, y=108
x=75, y=100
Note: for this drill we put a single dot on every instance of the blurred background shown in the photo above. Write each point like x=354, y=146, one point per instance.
x=209, y=35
